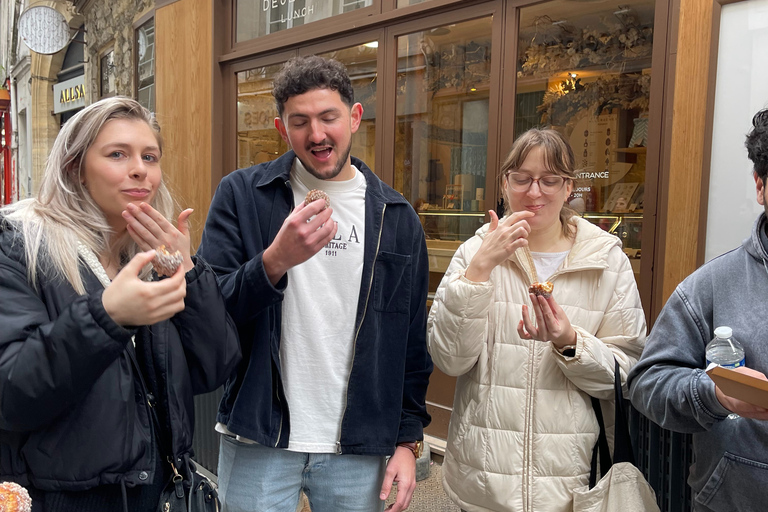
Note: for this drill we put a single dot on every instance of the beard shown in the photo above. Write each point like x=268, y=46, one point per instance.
x=336, y=170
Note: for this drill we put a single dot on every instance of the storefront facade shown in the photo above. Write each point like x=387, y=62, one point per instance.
x=446, y=86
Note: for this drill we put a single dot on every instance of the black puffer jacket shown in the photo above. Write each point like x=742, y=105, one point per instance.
x=73, y=409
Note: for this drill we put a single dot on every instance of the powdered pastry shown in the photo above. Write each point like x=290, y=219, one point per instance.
x=14, y=498
x=314, y=195
x=166, y=263
x=542, y=289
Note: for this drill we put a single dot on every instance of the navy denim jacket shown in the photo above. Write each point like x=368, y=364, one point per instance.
x=391, y=365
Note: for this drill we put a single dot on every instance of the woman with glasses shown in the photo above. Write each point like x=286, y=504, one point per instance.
x=522, y=428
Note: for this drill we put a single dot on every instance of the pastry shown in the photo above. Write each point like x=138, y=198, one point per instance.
x=166, y=263
x=314, y=195
x=542, y=289
x=14, y=498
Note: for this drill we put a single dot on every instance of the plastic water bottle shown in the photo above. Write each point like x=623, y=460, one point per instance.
x=725, y=351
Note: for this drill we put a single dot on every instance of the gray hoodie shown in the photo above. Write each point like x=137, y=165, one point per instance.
x=669, y=385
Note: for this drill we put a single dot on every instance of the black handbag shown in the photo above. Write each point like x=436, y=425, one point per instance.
x=180, y=495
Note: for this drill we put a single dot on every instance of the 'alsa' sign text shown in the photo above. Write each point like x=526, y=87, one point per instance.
x=72, y=94
x=69, y=95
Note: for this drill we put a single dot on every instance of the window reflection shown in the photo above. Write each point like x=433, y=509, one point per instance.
x=443, y=78
x=441, y=133
x=256, y=18
x=145, y=47
x=361, y=62
x=257, y=139
x=587, y=74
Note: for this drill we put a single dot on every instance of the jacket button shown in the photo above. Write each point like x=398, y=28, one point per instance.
x=143, y=475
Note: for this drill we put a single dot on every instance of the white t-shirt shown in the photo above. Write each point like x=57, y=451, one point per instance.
x=547, y=263
x=318, y=317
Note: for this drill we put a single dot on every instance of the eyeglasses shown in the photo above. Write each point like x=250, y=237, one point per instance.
x=521, y=182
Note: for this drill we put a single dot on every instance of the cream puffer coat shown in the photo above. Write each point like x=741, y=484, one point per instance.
x=522, y=428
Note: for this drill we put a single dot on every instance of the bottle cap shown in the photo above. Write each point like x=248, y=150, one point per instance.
x=723, y=332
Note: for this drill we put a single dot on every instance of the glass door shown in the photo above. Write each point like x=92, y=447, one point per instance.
x=441, y=146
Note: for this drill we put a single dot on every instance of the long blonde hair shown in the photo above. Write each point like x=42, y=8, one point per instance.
x=558, y=158
x=64, y=212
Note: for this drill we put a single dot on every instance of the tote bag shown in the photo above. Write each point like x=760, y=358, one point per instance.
x=622, y=487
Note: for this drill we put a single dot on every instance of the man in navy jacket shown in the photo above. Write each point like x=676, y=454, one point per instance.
x=330, y=304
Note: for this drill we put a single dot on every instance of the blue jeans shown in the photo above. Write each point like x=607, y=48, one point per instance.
x=255, y=478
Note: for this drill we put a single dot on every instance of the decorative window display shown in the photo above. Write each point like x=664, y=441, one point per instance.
x=441, y=132
x=589, y=68
x=256, y=18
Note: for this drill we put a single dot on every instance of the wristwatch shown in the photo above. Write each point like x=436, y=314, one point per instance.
x=417, y=447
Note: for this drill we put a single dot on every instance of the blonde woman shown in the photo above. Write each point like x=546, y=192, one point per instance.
x=92, y=343
x=522, y=428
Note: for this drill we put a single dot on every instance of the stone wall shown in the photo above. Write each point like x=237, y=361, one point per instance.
x=110, y=24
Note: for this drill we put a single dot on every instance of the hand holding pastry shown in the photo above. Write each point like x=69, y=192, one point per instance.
x=129, y=301
x=314, y=195
x=151, y=230
x=542, y=289
x=303, y=234
x=502, y=240
x=552, y=324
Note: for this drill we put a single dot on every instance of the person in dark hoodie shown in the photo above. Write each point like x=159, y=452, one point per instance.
x=93, y=344
x=669, y=384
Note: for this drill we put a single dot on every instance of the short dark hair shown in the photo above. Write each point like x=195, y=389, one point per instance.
x=303, y=74
x=757, y=144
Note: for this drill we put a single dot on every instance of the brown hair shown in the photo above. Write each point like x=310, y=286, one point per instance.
x=558, y=159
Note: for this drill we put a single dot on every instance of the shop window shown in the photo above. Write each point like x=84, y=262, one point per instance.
x=441, y=139
x=589, y=71
x=257, y=139
x=256, y=18
x=405, y=3
x=361, y=62
x=145, y=64
x=107, y=71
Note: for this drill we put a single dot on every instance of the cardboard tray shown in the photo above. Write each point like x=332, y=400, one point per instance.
x=738, y=385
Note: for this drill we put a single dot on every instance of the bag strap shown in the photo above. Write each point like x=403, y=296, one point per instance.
x=622, y=449
x=601, y=446
x=622, y=443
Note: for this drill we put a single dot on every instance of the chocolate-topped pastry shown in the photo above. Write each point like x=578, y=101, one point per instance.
x=166, y=263
x=542, y=289
x=315, y=194
x=14, y=498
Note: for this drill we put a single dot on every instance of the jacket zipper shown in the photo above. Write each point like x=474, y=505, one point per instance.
x=280, y=428
x=148, y=400
x=529, y=429
x=277, y=395
x=359, y=326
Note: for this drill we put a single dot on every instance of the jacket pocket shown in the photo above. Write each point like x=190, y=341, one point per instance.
x=466, y=418
x=736, y=484
x=392, y=283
